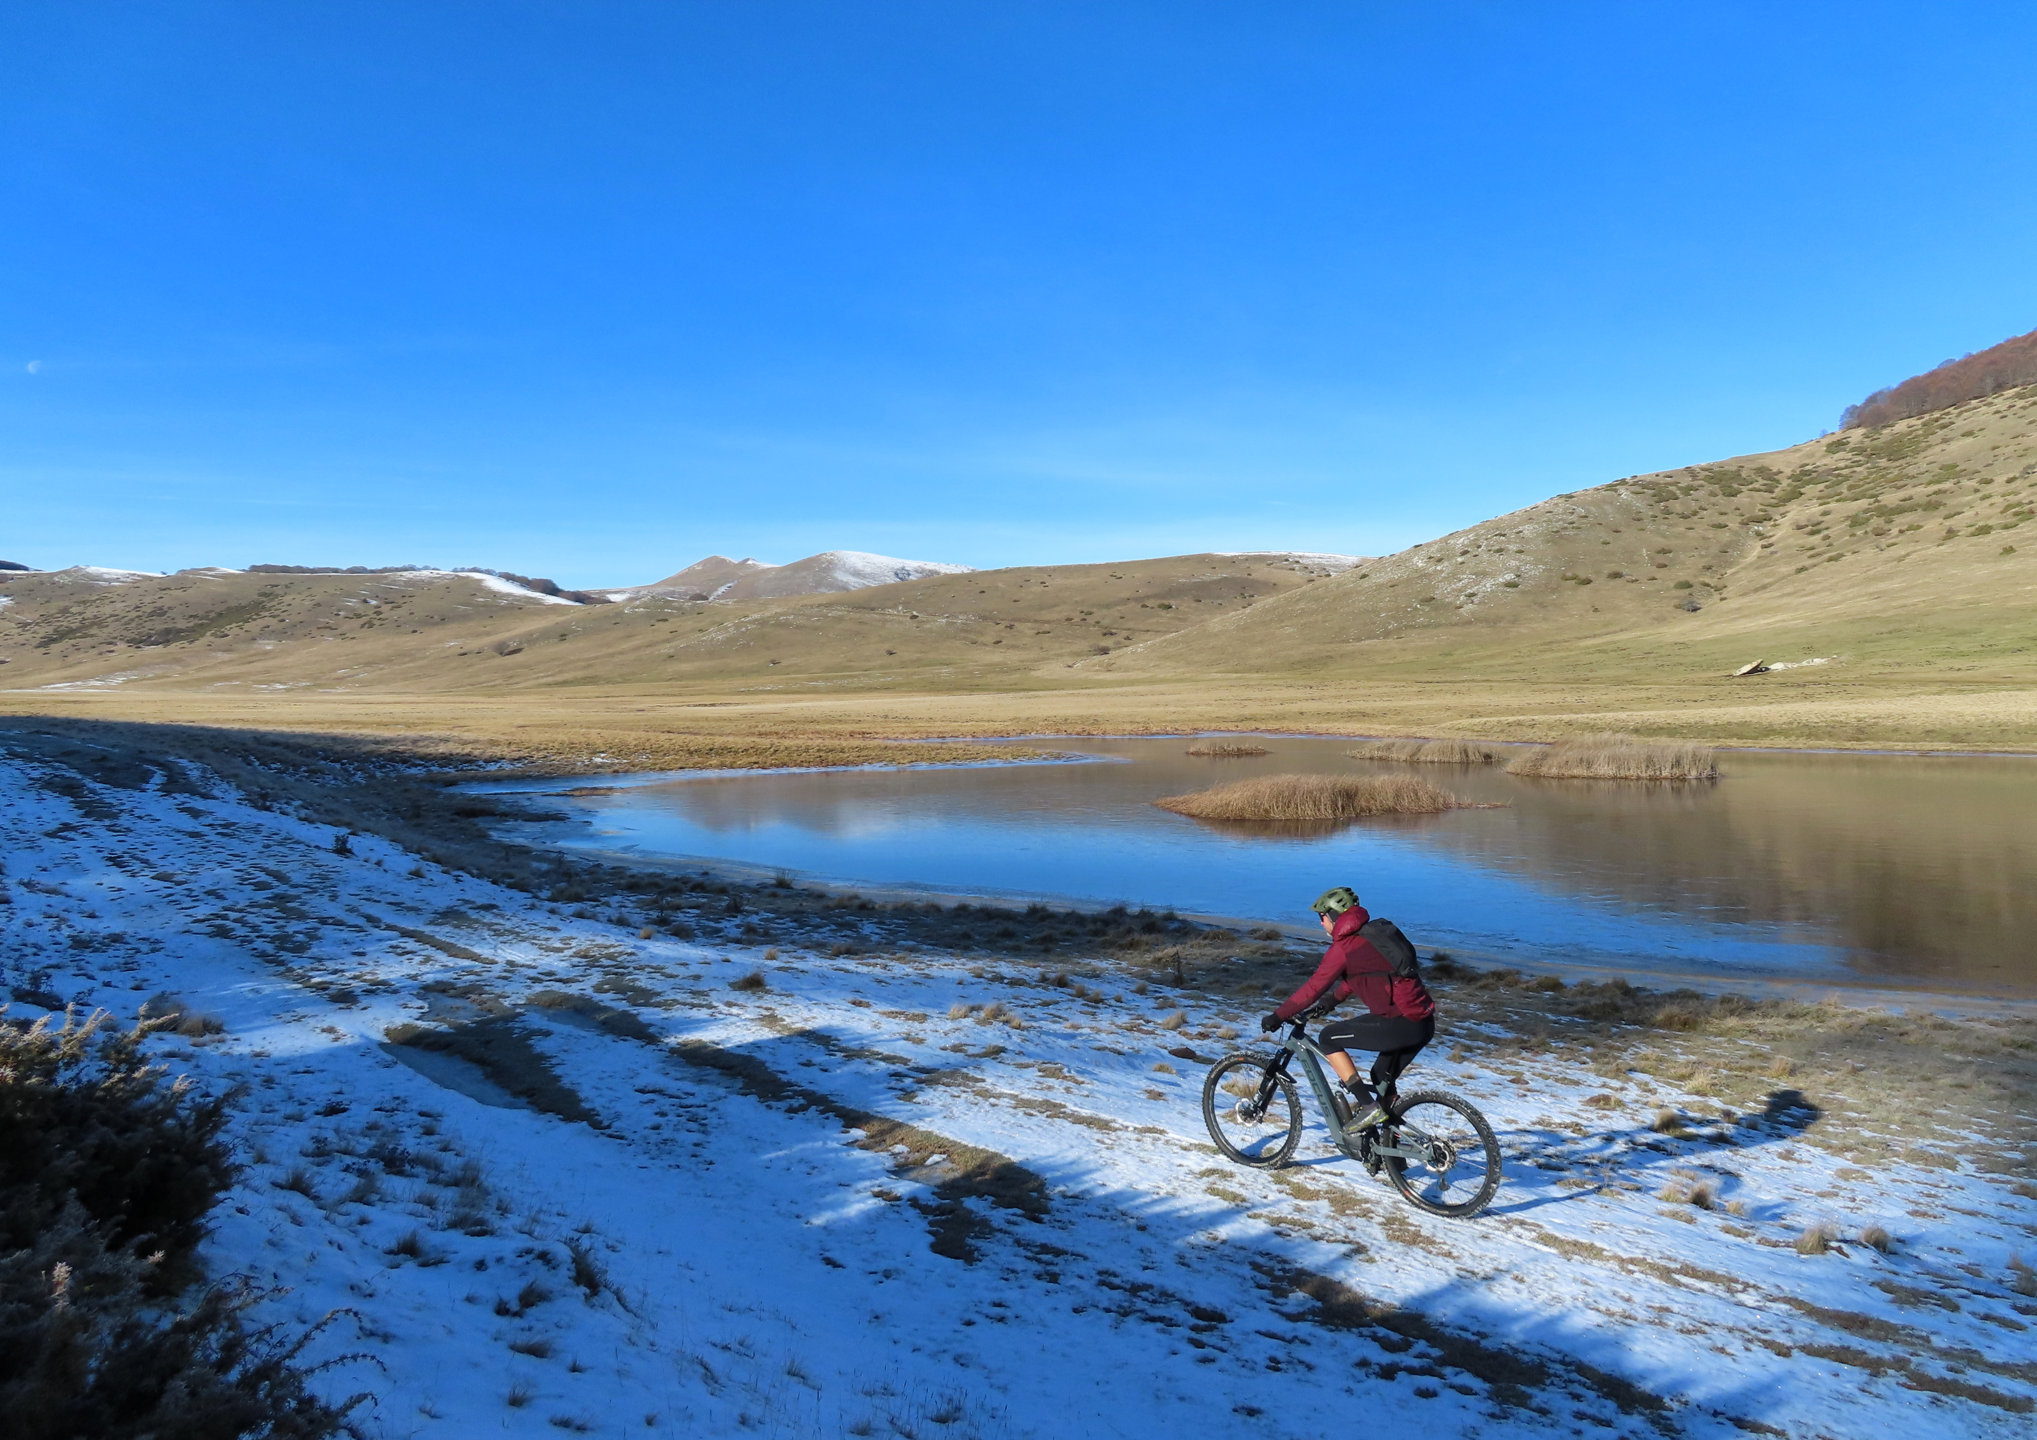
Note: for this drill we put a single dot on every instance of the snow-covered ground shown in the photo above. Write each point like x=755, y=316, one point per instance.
x=851, y=1202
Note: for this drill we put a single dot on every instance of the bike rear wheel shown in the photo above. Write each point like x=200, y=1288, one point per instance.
x=1455, y=1166
x=1254, y=1115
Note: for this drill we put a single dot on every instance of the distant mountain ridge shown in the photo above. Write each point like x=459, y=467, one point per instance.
x=830, y=572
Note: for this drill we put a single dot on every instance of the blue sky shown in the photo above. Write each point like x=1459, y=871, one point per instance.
x=589, y=290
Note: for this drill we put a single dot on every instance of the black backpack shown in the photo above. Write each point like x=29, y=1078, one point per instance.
x=1396, y=947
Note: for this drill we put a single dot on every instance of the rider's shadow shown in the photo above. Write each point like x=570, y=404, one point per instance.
x=1554, y=1166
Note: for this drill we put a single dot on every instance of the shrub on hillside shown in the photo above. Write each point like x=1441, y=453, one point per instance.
x=106, y=1174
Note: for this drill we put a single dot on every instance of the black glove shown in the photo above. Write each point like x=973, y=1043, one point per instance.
x=1270, y=1024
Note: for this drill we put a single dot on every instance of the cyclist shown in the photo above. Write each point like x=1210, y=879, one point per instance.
x=1402, y=1017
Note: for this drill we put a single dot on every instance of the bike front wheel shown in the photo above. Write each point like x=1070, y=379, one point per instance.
x=1449, y=1162
x=1252, y=1112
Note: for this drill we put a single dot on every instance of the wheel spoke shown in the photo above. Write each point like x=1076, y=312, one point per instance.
x=1246, y=1128
x=1451, y=1165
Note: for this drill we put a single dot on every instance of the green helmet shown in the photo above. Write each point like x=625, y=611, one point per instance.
x=1335, y=900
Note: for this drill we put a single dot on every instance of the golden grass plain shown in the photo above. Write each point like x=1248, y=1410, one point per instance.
x=1877, y=572
x=592, y=729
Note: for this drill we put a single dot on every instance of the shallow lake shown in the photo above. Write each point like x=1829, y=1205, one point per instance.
x=1878, y=871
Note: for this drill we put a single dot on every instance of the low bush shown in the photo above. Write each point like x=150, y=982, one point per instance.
x=1313, y=797
x=1619, y=757
x=84, y=1115
x=106, y=1175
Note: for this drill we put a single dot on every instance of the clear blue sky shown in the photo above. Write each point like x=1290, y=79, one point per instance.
x=591, y=289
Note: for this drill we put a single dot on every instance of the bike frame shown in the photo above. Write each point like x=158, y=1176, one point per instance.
x=1297, y=1045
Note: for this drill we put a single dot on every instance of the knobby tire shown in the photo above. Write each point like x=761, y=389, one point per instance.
x=1425, y=1188
x=1237, y=1079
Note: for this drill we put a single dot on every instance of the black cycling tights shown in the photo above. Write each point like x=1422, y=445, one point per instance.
x=1397, y=1040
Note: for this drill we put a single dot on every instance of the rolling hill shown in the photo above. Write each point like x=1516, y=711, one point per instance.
x=440, y=630
x=720, y=578
x=1890, y=549
x=1876, y=562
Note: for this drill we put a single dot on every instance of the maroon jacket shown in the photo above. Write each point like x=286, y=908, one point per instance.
x=1353, y=966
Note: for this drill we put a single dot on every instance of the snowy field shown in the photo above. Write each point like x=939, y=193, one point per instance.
x=602, y=1191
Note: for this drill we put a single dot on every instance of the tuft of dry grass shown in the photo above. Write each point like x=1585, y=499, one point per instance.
x=1816, y=1240
x=1174, y=1021
x=1313, y=797
x=752, y=981
x=1429, y=752
x=1224, y=749
x=1687, y=1187
x=179, y=1018
x=1619, y=757
x=1874, y=1237
x=2022, y=1279
x=588, y=1272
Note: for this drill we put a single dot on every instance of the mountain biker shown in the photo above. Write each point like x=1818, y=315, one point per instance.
x=1402, y=1017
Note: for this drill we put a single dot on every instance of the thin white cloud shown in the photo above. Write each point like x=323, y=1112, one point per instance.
x=34, y=367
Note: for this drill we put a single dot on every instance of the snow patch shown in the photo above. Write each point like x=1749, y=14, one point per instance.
x=490, y=582
x=103, y=575
x=858, y=568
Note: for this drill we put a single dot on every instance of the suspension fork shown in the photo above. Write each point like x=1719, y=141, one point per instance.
x=1270, y=1080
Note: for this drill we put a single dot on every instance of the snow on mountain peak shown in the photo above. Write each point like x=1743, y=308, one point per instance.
x=859, y=568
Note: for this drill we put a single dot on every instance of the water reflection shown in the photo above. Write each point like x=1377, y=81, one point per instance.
x=1887, y=870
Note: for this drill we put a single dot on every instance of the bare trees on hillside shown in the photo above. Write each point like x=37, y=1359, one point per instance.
x=2002, y=367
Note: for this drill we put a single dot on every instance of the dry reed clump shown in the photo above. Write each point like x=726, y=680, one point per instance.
x=1224, y=749
x=1619, y=757
x=1429, y=752
x=1313, y=797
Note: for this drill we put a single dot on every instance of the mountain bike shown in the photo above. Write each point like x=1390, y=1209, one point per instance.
x=1436, y=1149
